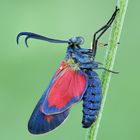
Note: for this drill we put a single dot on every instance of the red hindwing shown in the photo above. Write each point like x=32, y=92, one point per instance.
x=67, y=87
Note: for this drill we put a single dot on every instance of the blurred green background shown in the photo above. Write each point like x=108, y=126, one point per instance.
x=26, y=72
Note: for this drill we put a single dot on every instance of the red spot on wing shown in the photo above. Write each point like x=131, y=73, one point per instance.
x=69, y=84
x=41, y=108
x=48, y=118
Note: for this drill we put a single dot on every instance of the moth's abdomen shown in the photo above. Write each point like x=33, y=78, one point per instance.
x=91, y=99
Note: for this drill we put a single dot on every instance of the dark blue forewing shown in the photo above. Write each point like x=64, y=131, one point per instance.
x=40, y=123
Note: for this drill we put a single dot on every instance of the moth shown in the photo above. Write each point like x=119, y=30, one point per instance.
x=75, y=80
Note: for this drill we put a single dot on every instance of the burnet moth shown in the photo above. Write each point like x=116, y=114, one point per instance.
x=74, y=80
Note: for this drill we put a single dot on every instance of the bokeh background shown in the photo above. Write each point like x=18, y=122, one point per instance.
x=26, y=72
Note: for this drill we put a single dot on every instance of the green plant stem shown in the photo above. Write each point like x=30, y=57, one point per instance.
x=109, y=62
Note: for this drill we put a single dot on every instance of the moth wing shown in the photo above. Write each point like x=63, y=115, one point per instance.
x=40, y=123
x=67, y=87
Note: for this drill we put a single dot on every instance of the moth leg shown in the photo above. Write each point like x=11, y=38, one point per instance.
x=86, y=51
x=115, y=72
x=93, y=65
x=102, y=44
x=102, y=30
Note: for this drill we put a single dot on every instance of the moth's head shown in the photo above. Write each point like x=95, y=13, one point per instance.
x=76, y=41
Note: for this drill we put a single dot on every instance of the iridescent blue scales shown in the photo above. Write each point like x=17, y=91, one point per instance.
x=91, y=99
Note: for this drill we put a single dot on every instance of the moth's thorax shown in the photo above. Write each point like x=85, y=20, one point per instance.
x=79, y=55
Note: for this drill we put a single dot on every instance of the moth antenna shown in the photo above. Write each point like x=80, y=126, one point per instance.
x=39, y=37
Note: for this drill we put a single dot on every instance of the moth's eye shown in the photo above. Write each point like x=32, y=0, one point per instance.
x=73, y=40
x=80, y=40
